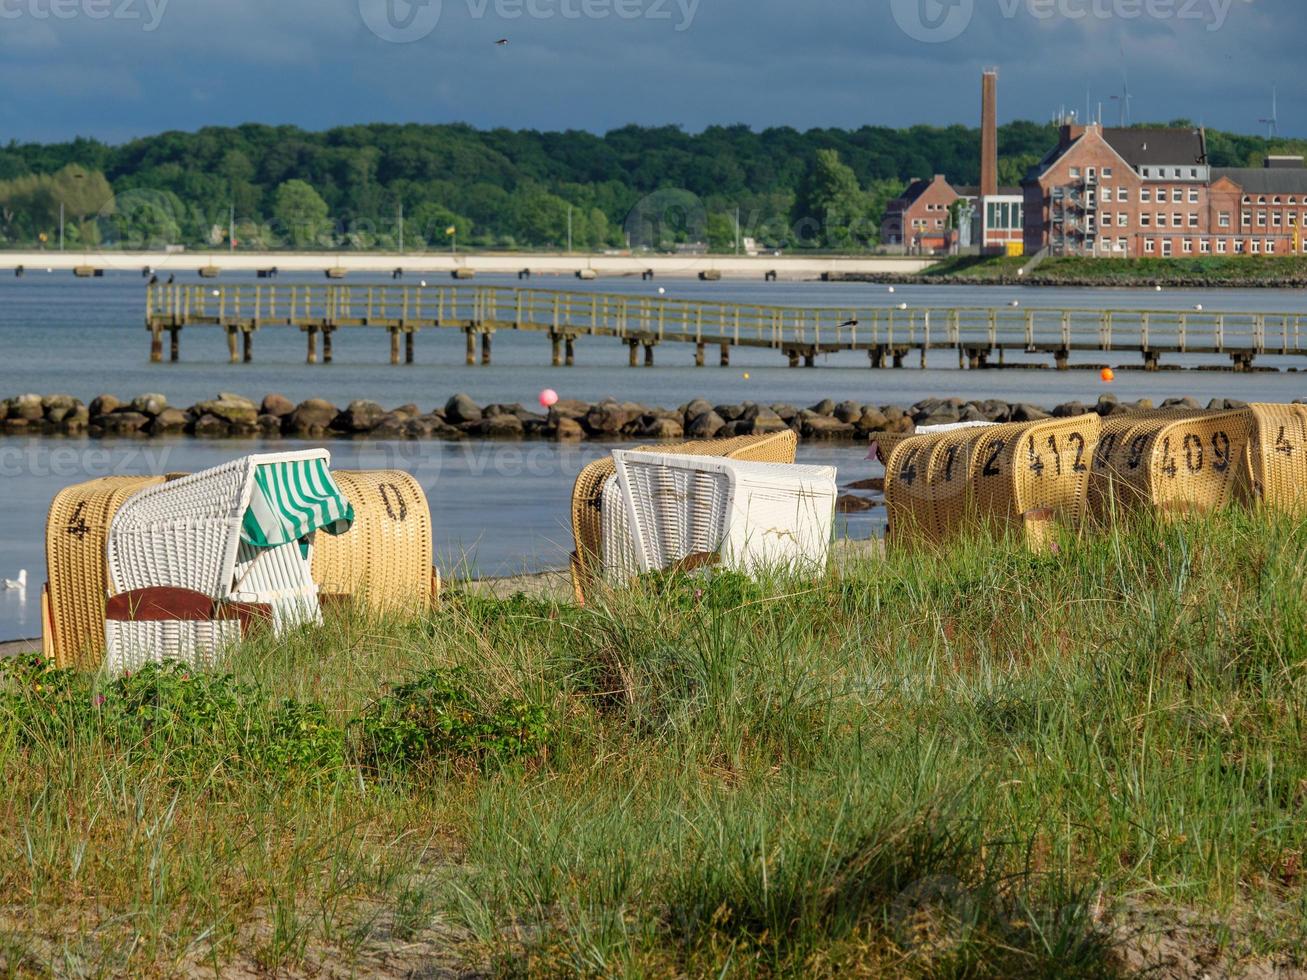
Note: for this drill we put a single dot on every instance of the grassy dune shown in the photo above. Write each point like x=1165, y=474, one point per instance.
x=980, y=763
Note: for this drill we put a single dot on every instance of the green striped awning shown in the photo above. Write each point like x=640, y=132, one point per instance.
x=291, y=500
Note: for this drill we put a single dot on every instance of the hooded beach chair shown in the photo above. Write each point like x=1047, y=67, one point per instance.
x=593, y=523
x=687, y=511
x=194, y=563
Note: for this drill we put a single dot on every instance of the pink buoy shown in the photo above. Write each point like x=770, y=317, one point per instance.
x=548, y=398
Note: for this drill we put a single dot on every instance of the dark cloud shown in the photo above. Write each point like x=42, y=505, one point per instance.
x=116, y=68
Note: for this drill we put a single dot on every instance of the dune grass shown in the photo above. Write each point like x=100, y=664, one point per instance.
x=977, y=763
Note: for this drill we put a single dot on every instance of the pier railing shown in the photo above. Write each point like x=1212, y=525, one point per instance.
x=800, y=332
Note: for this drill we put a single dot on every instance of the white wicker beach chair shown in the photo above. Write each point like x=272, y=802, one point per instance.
x=684, y=511
x=194, y=563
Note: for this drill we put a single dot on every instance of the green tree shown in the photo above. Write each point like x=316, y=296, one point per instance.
x=831, y=208
x=301, y=213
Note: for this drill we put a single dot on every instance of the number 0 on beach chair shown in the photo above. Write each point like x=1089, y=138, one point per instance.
x=194, y=563
x=685, y=511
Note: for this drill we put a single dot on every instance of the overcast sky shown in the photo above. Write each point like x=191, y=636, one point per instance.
x=121, y=68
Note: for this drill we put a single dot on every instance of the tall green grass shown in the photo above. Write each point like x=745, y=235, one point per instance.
x=980, y=762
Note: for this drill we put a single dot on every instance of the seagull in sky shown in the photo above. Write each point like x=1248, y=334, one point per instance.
x=502, y=42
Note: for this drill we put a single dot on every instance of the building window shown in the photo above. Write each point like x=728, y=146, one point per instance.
x=1166, y=247
x=1193, y=195
x=1123, y=193
x=1188, y=245
x=1150, y=246
x=1075, y=171
x=1107, y=173
x=1270, y=246
x=1177, y=220
x=1145, y=219
x=1223, y=220
x=1261, y=219
x=1145, y=194
x=1193, y=173
x=1107, y=220
x=1193, y=219
x=1247, y=218
x=1122, y=244
x=1161, y=219
x=1293, y=219
x=1239, y=246
x=1123, y=219
x=1257, y=247
x=1176, y=172
x=1276, y=219
x=1205, y=246
x=1221, y=246
x=1177, y=195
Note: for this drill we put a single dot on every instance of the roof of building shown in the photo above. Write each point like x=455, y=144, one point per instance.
x=1152, y=147
x=1265, y=180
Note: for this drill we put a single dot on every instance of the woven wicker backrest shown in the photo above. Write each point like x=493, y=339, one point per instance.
x=1103, y=473
x=76, y=537
x=1192, y=464
x=385, y=557
x=587, y=494
x=1050, y=469
x=918, y=470
x=1277, y=457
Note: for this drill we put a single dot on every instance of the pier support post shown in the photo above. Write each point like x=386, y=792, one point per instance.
x=485, y=346
x=247, y=346
x=471, y=346
x=1242, y=360
x=725, y=355
x=793, y=356
x=876, y=357
x=174, y=344
x=408, y=346
x=633, y=347
x=698, y=354
x=394, y=345
x=810, y=358
x=326, y=343
x=898, y=354
x=231, y=345
x=1062, y=359
x=1151, y=359
x=311, y=357
x=977, y=357
x=555, y=352
x=156, y=343
x=648, y=355
x=569, y=352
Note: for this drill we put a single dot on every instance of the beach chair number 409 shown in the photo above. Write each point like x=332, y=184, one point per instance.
x=1194, y=455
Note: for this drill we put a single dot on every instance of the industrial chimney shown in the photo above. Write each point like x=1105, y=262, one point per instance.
x=989, y=133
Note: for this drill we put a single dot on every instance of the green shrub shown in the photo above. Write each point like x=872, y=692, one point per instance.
x=435, y=717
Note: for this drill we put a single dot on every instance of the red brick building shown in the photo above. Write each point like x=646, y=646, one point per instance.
x=919, y=217
x=1152, y=193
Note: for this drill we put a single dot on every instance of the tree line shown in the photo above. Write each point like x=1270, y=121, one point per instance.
x=444, y=186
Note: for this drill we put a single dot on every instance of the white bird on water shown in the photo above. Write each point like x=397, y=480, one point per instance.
x=17, y=583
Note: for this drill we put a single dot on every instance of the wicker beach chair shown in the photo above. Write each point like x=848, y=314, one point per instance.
x=384, y=559
x=1277, y=458
x=590, y=518
x=1195, y=463
x=686, y=511
x=1027, y=476
x=1103, y=473
x=927, y=486
x=194, y=563
x=76, y=539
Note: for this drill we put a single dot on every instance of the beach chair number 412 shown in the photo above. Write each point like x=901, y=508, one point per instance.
x=1074, y=440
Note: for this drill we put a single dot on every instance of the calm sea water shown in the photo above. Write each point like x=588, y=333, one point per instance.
x=500, y=509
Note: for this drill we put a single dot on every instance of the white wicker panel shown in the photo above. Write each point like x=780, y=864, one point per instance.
x=131, y=645
x=761, y=516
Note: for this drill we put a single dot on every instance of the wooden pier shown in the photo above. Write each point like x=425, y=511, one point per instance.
x=980, y=336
